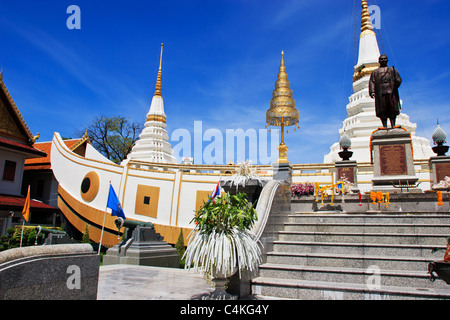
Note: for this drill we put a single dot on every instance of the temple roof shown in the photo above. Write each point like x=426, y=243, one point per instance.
x=23, y=132
x=21, y=147
x=14, y=131
x=12, y=202
x=78, y=146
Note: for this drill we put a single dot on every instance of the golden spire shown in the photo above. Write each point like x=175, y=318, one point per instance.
x=282, y=105
x=159, y=79
x=282, y=112
x=366, y=22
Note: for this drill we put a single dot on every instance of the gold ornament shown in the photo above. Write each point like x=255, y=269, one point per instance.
x=282, y=112
x=159, y=78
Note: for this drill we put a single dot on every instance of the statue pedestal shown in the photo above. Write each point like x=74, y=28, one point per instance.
x=145, y=248
x=346, y=169
x=440, y=168
x=282, y=172
x=393, y=161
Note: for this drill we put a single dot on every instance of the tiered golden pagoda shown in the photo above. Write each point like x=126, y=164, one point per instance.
x=282, y=112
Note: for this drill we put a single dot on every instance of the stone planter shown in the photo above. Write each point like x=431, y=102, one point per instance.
x=252, y=189
x=220, y=283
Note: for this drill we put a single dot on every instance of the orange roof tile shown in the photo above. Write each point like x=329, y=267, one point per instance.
x=44, y=163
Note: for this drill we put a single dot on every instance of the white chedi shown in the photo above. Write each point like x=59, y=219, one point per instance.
x=153, y=144
x=361, y=119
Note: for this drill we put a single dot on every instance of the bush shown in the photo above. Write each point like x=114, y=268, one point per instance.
x=181, y=248
x=225, y=213
x=12, y=239
x=86, y=237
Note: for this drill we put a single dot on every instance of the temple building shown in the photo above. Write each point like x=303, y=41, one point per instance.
x=362, y=120
x=153, y=144
x=39, y=175
x=16, y=146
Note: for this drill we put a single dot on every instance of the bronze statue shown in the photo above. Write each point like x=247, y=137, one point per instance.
x=383, y=87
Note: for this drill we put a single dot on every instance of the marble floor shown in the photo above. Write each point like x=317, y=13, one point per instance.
x=129, y=282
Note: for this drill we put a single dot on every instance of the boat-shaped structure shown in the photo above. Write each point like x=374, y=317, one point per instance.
x=165, y=194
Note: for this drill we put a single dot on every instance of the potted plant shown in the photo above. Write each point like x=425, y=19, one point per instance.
x=220, y=244
x=441, y=268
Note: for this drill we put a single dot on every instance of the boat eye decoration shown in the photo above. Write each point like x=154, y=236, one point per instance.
x=90, y=186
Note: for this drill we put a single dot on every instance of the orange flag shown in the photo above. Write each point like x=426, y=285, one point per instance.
x=26, y=207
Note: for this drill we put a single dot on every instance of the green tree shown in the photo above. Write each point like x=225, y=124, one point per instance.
x=180, y=246
x=86, y=238
x=114, y=136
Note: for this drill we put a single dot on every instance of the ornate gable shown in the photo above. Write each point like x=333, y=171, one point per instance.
x=12, y=126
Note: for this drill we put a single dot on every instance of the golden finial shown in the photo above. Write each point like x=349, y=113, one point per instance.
x=159, y=78
x=366, y=22
x=282, y=112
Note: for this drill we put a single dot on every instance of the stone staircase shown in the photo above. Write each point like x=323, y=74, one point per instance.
x=355, y=257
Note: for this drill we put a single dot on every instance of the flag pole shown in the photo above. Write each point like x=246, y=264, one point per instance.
x=104, y=221
x=21, y=237
x=25, y=213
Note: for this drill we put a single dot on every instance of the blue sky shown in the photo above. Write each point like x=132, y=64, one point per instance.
x=221, y=59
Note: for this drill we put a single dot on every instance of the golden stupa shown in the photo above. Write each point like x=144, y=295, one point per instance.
x=282, y=112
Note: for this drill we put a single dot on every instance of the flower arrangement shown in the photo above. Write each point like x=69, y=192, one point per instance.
x=346, y=186
x=302, y=189
x=220, y=242
x=381, y=198
x=446, y=251
x=440, y=269
x=443, y=184
x=244, y=172
x=439, y=198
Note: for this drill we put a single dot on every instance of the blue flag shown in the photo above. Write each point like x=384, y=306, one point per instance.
x=114, y=204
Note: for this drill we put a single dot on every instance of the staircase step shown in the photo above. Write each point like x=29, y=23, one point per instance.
x=322, y=290
x=414, y=250
x=425, y=218
x=351, y=275
x=349, y=260
x=411, y=228
x=321, y=256
x=361, y=237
